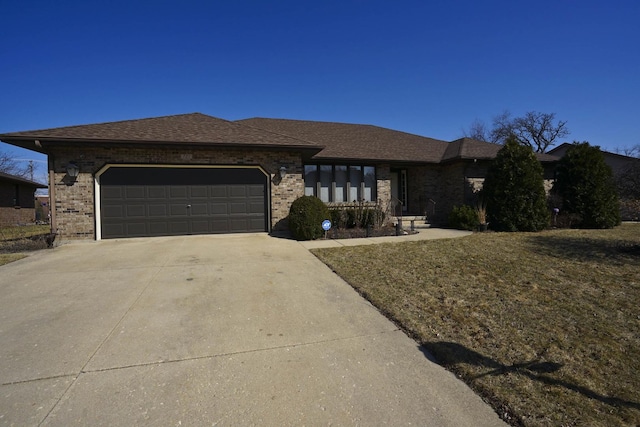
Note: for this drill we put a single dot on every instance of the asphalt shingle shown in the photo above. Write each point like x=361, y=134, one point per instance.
x=357, y=142
x=194, y=128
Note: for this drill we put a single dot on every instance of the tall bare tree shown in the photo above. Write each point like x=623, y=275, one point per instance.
x=540, y=131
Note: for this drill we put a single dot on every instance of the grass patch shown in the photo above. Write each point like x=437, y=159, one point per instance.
x=15, y=241
x=545, y=326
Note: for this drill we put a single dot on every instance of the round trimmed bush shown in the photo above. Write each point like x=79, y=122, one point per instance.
x=305, y=218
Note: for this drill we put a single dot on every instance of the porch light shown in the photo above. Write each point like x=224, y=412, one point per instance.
x=73, y=170
x=283, y=171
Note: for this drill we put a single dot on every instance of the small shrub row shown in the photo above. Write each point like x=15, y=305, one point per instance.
x=308, y=212
x=356, y=217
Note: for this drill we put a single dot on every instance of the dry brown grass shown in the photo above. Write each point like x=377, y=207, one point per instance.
x=16, y=241
x=545, y=326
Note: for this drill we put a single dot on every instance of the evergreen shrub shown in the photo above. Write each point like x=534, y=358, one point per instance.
x=514, y=190
x=463, y=217
x=305, y=218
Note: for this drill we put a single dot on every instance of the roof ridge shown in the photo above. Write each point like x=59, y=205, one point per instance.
x=314, y=143
x=112, y=122
x=344, y=124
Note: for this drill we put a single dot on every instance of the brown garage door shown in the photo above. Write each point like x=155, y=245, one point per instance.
x=153, y=201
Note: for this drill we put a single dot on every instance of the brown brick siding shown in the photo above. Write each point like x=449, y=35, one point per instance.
x=383, y=187
x=16, y=216
x=74, y=200
x=16, y=211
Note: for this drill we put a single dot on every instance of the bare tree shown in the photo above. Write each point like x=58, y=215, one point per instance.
x=630, y=152
x=478, y=130
x=9, y=165
x=502, y=128
x=540, y=131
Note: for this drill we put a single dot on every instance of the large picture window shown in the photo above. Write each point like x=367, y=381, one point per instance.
x=340, y=183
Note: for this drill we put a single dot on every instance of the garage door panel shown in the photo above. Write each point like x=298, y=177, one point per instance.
x=117, y=230
x=218, y=191
x=256, y=224
x=256, y=207
x=198, y=192
x=156, y=192
x=157, y=210
x=136, y=211
x=199, y=209
x=173, y=201
x=136, y=229
x=113, y=212
x=178, y=227
x=158, y=228
x=135, y=192
x=178, y=209
x=237, y=208
x=219, y=225
x=180, y=192
x=200, y=226
x=255, y=191
x=112, y=193
x=237, y=191
x=218, y=208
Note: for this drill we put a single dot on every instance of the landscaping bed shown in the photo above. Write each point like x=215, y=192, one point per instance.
x=16, y=241
x=545, y=326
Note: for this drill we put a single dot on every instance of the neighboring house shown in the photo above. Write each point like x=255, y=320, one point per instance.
x=618, y=163
x=42, y=208
x=17, y=202
x=197, y=174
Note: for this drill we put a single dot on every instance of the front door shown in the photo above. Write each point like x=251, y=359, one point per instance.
x=399, y=191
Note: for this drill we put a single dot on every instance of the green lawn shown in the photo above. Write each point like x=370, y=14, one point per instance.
x=545, y=326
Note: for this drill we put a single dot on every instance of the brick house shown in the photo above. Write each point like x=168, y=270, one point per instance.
x=197, y=174
x=17, y=202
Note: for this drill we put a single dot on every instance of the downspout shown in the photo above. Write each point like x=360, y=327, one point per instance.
x=52, y=193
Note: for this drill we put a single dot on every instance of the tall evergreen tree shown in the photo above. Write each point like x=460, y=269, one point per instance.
x=514, y=190
x=586, y=187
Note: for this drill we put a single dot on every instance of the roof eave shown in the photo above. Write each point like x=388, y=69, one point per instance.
x=40, y=143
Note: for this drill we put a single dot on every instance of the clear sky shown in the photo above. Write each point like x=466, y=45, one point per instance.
x=424, y=67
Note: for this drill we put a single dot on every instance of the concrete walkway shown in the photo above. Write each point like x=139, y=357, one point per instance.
x=208, y=330
x=423, y=234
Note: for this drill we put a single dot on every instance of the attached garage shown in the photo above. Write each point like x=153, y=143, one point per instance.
x=142, y=201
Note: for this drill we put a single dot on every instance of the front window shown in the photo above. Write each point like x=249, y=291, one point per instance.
x=310, y=179
x=369, y=181
x=355, y=179
x=326, y=179
x=340, y=183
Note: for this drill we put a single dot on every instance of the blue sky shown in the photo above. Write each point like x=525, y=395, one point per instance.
x=424, y=67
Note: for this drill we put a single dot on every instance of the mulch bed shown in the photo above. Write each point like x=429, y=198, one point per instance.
x=356, y=233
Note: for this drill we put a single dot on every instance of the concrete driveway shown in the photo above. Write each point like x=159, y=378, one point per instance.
x=208, y=330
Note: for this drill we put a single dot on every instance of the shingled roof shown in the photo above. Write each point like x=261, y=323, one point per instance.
x=194, y=128
x=15, y=179
x=323, y=140
x=469, y=148
x=357, y=142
